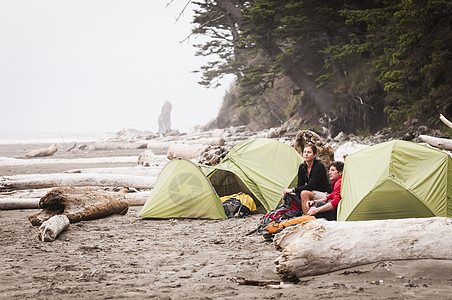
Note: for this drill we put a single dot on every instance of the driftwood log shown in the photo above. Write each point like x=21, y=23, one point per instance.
x=445, y=121
x=119, y=145
x=324, y=151
x=319, y=246
x=187, y=151
x=79, y=204
x=439, y=143
x=8, y=161
x=42, y=152
x=50, y=229
x=39, y=181
x=20, y=203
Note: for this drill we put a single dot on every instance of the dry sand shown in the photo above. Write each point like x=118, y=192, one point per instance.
x=122, y=257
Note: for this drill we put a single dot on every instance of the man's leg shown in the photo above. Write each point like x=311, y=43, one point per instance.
x=305, y=197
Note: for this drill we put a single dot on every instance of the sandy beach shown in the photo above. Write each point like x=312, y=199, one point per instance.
x=126, y=257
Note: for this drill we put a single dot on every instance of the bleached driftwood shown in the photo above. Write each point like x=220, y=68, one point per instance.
x=445, y=121
x=50, y=229
x=38, y=181
x=18, y=203
x=8, y=161
x=79, y=204
x=153, y=171
x=148, y=158
x=42, y=152
x=187, y=151
x=321, y=246
x=437, y=142
x=119, y=145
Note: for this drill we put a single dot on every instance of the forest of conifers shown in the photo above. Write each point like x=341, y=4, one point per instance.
x=356, y=65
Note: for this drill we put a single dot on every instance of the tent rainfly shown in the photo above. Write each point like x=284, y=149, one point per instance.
x=261, y=168
x=183, y=191
x=395, y=180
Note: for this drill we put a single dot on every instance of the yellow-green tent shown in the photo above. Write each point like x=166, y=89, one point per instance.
x=261, y=168
x=183, y=191
x=395, y=180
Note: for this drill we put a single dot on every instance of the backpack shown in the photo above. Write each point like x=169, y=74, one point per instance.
x=290, y=208
x=275, y=227
x=238, y=205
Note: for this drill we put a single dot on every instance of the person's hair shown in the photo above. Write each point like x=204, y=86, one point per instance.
x=312, y=146
x=338, y=165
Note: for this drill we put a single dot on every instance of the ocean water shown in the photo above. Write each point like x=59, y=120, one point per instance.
x=11, y=137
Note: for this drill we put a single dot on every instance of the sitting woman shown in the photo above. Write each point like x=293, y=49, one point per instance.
x=327, y=207
x=312, y=179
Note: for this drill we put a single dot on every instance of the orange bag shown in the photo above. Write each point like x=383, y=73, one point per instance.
x=277, y=226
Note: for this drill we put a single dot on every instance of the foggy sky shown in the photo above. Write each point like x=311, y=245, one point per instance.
x=97, y=66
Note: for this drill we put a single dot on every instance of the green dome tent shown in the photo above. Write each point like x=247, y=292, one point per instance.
x=395, y=180
x=261, y=168
x=183, y=191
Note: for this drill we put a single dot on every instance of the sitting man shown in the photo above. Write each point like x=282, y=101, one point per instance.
x=327, y=206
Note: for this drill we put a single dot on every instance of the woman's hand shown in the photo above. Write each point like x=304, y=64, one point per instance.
x=310, y=203
x=287, y=191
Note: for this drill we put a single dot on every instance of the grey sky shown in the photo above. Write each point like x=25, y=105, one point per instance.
x=68, y=66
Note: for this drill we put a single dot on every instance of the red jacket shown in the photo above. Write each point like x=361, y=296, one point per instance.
x=335, y=196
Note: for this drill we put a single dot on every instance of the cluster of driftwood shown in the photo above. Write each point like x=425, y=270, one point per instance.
x=62, y=206
x=320, y=246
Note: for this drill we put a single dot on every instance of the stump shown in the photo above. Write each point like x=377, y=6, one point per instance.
x=79, y=204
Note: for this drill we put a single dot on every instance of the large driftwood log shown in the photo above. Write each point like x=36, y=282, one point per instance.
x=319, y=246
x=134, y=199
x=119, y=145
x=188, y=151
x=42, y=152
x=8, y=161
x=50, y=229
x=79, y=204
x=151, y=171
x=440, y=143
x=18, y=203
x=39, y=181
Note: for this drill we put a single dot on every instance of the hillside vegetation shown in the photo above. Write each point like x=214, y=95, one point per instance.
x=352, y=66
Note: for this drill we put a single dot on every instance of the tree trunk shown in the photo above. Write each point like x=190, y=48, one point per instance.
x=320, y=246
x=39, y=181
x=321, y=97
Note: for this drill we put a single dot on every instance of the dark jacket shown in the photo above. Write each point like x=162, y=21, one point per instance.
x=317, y=181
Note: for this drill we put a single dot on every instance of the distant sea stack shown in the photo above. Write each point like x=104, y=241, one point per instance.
x=165, y=118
